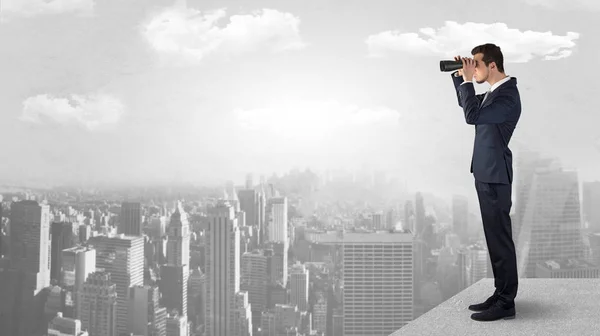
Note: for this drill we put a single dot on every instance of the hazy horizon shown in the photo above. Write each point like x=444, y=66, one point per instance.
x=152, y=91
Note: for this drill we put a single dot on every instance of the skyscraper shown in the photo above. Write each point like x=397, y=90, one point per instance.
x=460, y=217
x=131, y=219
x=77, y=263
x=222, y=269
x=254, y=280
x=98, y=308
x=299, y=285
x=591, y=205
x=249, y=204
x=62, y=238
x=123, y=257
x=175, y=275
x=378, y=282
x=21, y=302
x=278, y=220
x=551, y=223
x=146, y=317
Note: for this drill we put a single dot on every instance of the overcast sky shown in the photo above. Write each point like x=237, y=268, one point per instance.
x=145, y=90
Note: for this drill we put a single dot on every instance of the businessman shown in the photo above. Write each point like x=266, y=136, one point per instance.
x=495, y=115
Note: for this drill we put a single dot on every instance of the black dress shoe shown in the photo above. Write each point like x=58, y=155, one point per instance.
x=495, y=312
x=484, y=305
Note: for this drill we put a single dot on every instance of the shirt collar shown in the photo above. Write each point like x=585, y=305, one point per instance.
x=500, y=82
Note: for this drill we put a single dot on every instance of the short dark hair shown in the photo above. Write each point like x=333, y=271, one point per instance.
x=491, y=53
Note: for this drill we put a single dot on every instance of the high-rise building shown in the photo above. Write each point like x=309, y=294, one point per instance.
x=28, y=272
x=473, y=264
x=175, y=275
x=591, y=202
x=460, y=217
x=249, y=204
x=177, y=325
x=409, y=218
x=146, y=317
x=255, y=279
x=222, y=269
x=64, y=326
x=278, y=220
x=320, y=313
x=77, y=263
x=299, y=285
x=551, y=224
x=62, y=238
x=378, y=282
x=130, y=221
x=242, y=316
x=378, y=221
x=123, y=257
x=98, y=305
x=527, y=162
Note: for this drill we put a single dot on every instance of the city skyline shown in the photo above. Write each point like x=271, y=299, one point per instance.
x=150, y=91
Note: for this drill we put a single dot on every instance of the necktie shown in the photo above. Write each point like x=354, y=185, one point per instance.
x=484, y=97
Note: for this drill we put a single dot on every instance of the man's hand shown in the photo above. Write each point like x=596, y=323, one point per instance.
x=468, y=69
x=460, y=72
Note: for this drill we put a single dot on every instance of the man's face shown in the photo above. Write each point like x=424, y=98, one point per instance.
x=481, y=71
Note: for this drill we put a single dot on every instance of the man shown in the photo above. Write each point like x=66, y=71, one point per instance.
x=495, y=115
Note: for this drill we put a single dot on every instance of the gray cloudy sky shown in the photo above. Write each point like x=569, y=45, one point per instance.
x=144, y=90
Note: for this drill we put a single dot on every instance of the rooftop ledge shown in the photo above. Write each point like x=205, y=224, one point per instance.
x=543, y=306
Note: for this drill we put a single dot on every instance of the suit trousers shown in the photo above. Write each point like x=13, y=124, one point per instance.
x=495, y=203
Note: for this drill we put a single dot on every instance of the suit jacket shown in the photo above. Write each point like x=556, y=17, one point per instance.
x=495, y=121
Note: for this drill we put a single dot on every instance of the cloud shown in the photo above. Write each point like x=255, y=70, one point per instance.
x=92, y=112
x=32, y=8
x=454, y=38
x=593, y=5
x=191, y=35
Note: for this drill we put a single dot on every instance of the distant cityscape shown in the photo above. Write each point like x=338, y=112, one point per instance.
x=331, y=253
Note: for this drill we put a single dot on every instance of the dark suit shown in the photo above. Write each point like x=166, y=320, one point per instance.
x=491, y=165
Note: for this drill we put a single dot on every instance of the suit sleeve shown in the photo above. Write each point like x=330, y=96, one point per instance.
x=458, y=82
x=495, y=113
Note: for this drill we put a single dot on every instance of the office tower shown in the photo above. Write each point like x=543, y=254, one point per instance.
x=262, y=211
x=278, y=221
x=337, y=322
x=77, y=263
x=123, y=257
x=381, y=265
x=175, y=275
x=250, y=205
x=98, y=308
x=254, y=279
x=130, y=221
x=176, y=325
x=197, y=297
x=591, y=205
x=460, y=217
x=62, y=238
x=473, y=262
x=174, y=288
x=242, y=316
x=278, y=262
x=551, y=223
x=222, y=268
x=409, y=218
x=28, y=272
x=391, y=218
x=378, y=220
x=320, y=313
x=527, y=162
x=146, y=317
x=419, y=214
x=567, y=268
x=299, y=287
x=249, y=181
x=64, y=326
x=594, y=239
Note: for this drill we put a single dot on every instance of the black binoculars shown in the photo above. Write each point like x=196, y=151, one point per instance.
x=446, y=66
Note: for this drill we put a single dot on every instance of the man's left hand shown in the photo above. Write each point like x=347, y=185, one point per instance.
x=468, y=69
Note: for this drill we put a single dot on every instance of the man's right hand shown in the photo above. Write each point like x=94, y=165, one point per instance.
x=460, y=72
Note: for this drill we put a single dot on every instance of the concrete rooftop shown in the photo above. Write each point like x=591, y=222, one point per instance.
x=543, y=306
